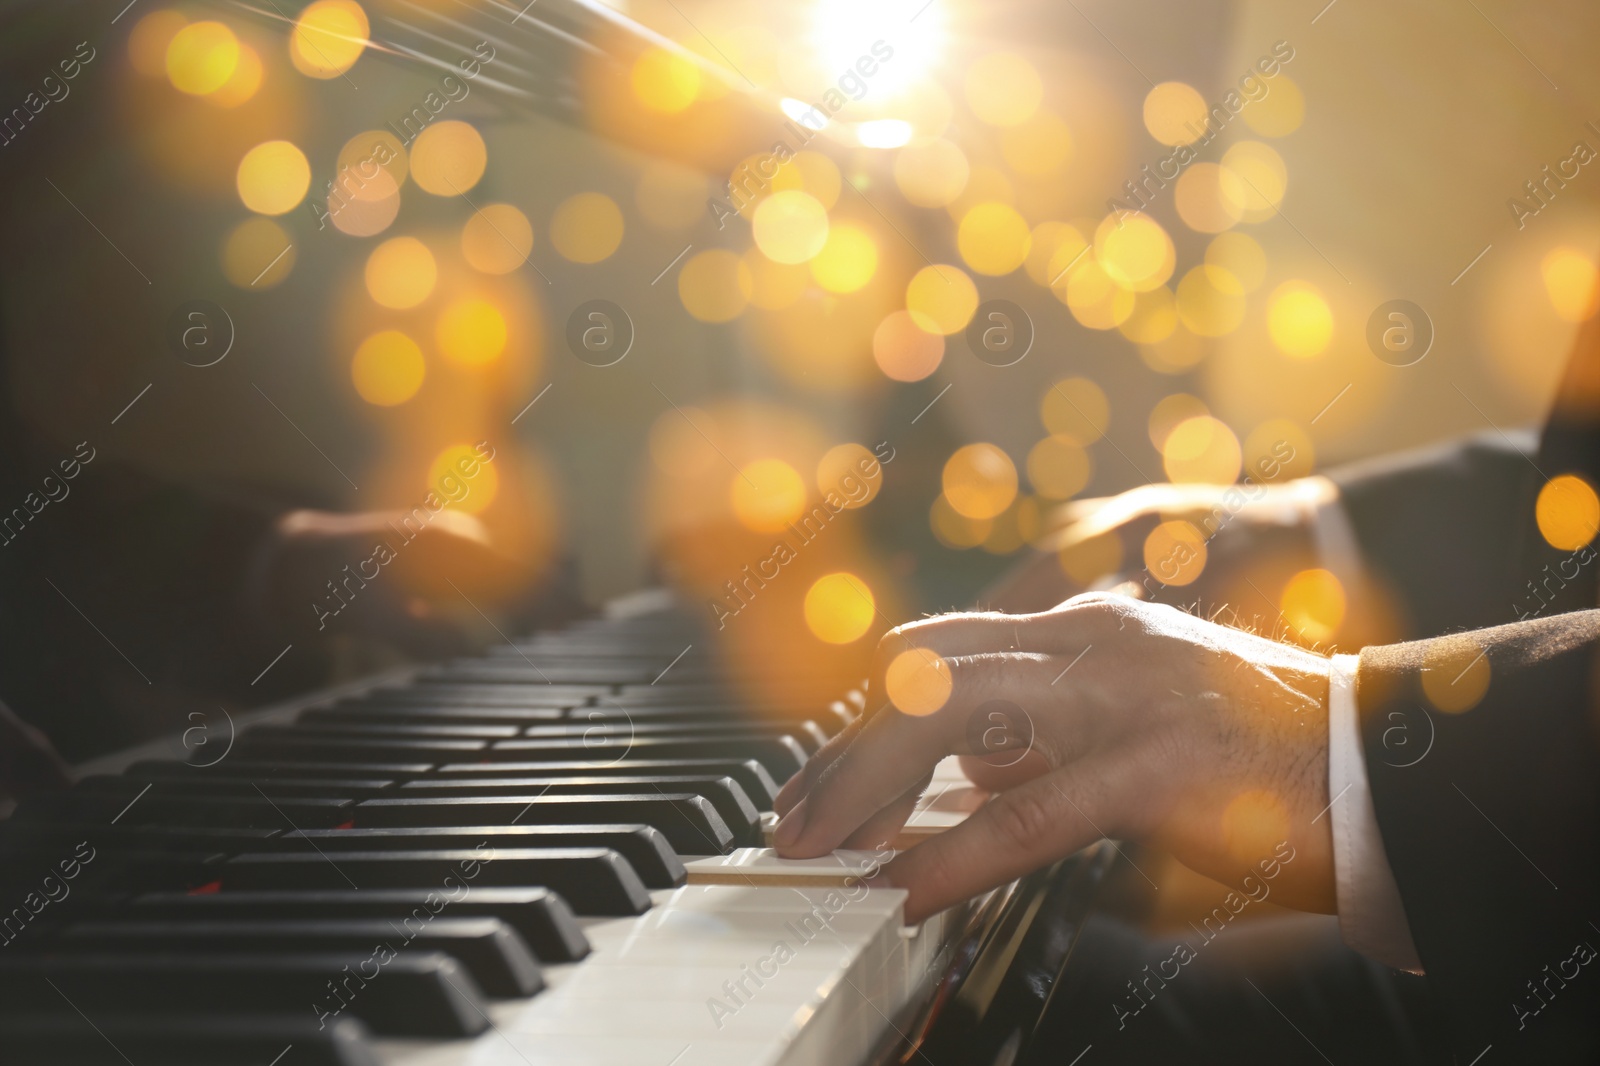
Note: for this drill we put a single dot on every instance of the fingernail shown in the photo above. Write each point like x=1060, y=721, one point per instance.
x=790, y=826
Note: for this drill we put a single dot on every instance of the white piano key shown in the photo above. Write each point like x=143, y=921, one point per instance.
x=756, y=867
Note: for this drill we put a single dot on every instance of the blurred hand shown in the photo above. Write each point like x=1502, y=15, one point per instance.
x=1242, y=523
x=1206, y=740
x=28, y=761
x=451, y=557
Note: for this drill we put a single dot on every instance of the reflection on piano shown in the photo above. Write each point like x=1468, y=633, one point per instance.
x=488, y=863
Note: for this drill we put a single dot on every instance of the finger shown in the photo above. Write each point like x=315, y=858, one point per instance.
x=801, y=781
x=879, y=830
x=1014, y=833
x=895, y=749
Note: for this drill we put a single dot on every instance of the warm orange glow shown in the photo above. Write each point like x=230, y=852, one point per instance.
x=1455, y=674
x=587, y=227
x=1299, y=319
x=1201, y=449
x=955, y=530
x=471, y=332
x=257, y=254
x=767, y=495
x=905, y=351
x=201, y=57
x=461, y=478
x=1058, y=467
x=980, y=481
x=918, y=681
x=1003, y=89
x=1313, y=605
x=1210, y=301
x=1169, y=411
x=941, y=299
x=1175, y=113
x=242, y=83
x=993, y=238
x=1134, y=251
x=932, y=174
x=665, y=81
x=448, y=158
x=1254, y=824
x=273, y=177
x=848, y=260
x=839, y=608
x=1568, y=512
x=388, y=368
x=147, y=43
x=790, y=226
x=1088, y=560
x=715, y=285
x=1076, y=408
x=1175, y=553
x=1570, y=280
x=850, y=474
x=401, y=273
x=497, y=239
x=328, y=38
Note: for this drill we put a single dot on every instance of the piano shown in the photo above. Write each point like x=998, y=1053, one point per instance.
x=550, y=853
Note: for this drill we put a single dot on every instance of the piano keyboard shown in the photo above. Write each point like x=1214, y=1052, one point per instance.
x=550, y=854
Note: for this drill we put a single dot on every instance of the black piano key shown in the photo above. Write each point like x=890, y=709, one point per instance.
x=63, y=836
x=596, y=881
x=303, y=747
x=414, y=994
x=723, y=792
x=238, y=811
x=64, y=1038
x=430, y=713
x=290, y=789
x=691, y=824
x=753, y=777
x=23, y=869
x=537, y=694
x=486, y=948
x=644, y=848
x=807, y=734
x=782, y=756
x=541, y=916
x=828, y=720
x=171, y=769
x=617, y=672
x=384, y=731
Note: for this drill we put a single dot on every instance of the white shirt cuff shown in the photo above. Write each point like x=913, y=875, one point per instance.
x=1371, y=917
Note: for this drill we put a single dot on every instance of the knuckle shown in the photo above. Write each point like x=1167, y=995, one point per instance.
x=1021, y=819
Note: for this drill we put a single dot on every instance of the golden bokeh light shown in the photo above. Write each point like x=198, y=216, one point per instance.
x=364, y=153
x=980, y=480
x=790, y=226
x=993, y=239
x=586, y=227
x=328, y=38
x=767, y=495
x=932, y=174
x=1201, y=449
x=1134, y=251
x=1058, y=467
x=459, y=477
x=1568, y=512
x=1178, y=352
x=1280, y=112
x=1153, y=319
x=1263, y=179
x=1210, y=301
x=1570, y=280
x=841, y=473
x=388, y=368
x=1003, y=89
x=955, y=530
x=715, y=285
x=148, y=41
x=471, y=332
x=665, y=81
x=1455, y=673
x=1039, y=147
x=839, y=608
x=813, y=174
x=941, y=299
x=1175, y=113
x=257, y=254
x=1277, y=450
x=242, y=83
x=401, y=273
x=497, y=239
x=1169, y=411
x=273, y=177
x=448, y=158
x=1076, y=408
x=201, y=57
x=1313, y=605
x=1175, y=553
x=1299, y=320
x=1094, y=298
x=1240, y=255
x=368, y=208
x=1255, y=824
x=918, y=682
x=1209, y=198
x=903, y=350
x=848, y=260
x=1054, y=247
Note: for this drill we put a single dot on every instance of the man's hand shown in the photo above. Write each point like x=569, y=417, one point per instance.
x=1146, y=723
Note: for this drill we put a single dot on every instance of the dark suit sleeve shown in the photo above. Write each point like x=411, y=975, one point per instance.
x=1490, y=816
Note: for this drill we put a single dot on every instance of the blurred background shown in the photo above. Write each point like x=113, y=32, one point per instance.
x=404, y=213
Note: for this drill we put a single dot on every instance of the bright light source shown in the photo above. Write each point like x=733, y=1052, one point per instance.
x=910, y=32
x=805, y=114
x=884, y=133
